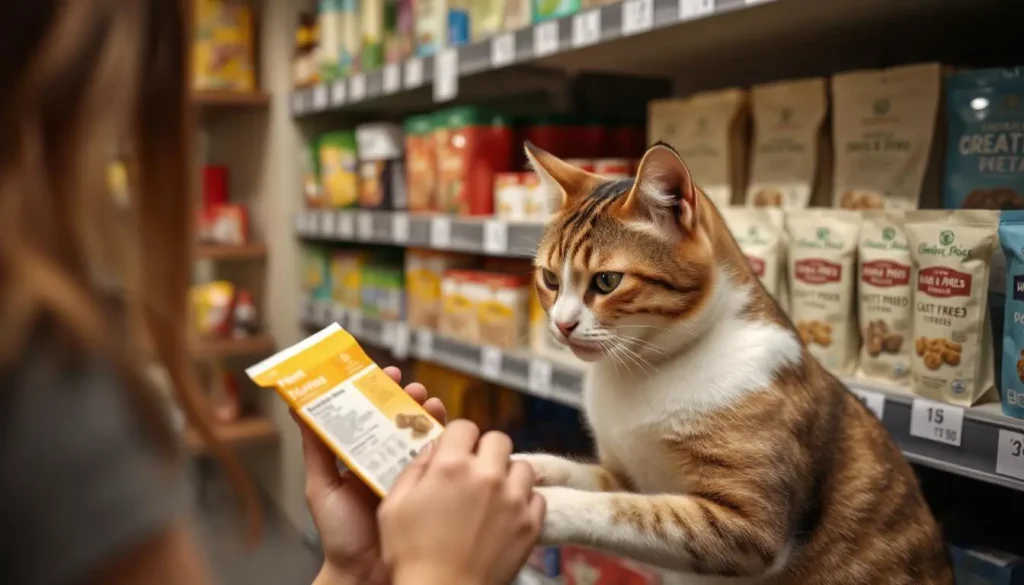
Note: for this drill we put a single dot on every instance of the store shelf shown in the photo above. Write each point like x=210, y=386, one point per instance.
x=520, y=370
x=243, y=432
x=218, y=348
x=221, y=252
x=982, y=432
x=493, y=237
x=673, y=38
x=229, y=99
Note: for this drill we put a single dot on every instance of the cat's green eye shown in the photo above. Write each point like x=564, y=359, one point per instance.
x=550, y=278
x=605, y=282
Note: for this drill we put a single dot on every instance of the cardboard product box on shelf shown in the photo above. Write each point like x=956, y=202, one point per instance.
x=709, y=130
x=222, y=46
x=885, y=124
x=421, y=163
x=471, y=145
x=424, y=272
x=1011, y=235
x=951, y=253
x=985, y=148
x=581, y=566
x=338, y=169
x=789, y=148
x=381, y=166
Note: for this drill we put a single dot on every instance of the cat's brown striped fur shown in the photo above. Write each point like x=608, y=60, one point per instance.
x=791, y=481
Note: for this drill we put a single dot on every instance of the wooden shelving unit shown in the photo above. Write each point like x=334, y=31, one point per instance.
x=229, y=99
x=255, y=346
x=243, y=432
x=221, y=252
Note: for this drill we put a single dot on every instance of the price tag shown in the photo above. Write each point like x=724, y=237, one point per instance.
x=338, y=93
x=440, y=232
x=586, y=28
x=323, y=312
x=365, y=226
x=327, y=223
x=1010, y=454
x=446, y=75
x=399, y=228
x=320, y=98
x=345, y=225
x=387, y=334
x=937, y=421
x=874, y=401
x=495, y=236
x=545, y=38
x=413, y=72
x=400, y=347
x=338, y=313
x=503, y=49
x=392, y=78
x=490, y=362
x=298, y=105
x=637, y=16
x=540, y=377
x=355, y=322
x=691, y=9
x=357, y=87
x=424, y=344
x=751, y=2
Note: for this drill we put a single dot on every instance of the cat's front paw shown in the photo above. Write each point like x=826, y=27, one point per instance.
x=548, y=470
x=560, y=519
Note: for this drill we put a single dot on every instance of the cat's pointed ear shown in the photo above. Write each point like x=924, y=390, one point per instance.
x=561, y=181
x=663, y=192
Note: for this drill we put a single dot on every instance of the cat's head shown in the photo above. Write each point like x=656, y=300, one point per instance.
x=622, y=262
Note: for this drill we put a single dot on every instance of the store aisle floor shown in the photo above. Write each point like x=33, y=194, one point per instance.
x=282, y=558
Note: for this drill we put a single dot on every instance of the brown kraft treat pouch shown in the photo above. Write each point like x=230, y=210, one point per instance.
x=761, y=235
x=884, y=123
x=822, y=267
x=985, y=148
x=886, y=297
x=709, y=132
x=786, y=150
x=951, y=252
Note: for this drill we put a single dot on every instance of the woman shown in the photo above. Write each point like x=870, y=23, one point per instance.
x=91, y=485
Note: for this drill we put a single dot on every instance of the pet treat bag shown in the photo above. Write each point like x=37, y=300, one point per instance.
x=985, y=147
x=886, y=297
x=883, y=127
x=761, y=236
x=709, y=131
x=822, y=266
x=950, y=252
x=1011, y=235
x=369, y=422
x=787, y=143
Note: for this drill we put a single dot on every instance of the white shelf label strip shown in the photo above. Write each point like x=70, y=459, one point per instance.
x=413, y=72
x=586, y=28
x=874, y=401
x=545, y=38
x=392, y=78
x=490, y=362
x=637, y=16
x=503, y=50
x=691, y=9
x=338, y=93
x=446, y=75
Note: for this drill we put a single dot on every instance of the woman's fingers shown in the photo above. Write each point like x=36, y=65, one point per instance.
x=494, y=450
x=456, y=442
x=520, y=479
x=417, y=391
x=412, y=473
x=436, y=409
x=394, y=373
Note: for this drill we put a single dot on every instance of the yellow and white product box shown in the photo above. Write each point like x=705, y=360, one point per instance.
x=365, y=418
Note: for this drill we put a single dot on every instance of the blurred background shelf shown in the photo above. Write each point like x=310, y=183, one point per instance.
x=243, y=432
x=229, y=99
x=221, y=252
x=254, y=346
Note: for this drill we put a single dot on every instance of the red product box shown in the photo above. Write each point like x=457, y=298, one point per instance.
x=582, y=566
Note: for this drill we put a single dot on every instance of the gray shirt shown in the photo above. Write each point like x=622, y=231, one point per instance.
x=80, y=480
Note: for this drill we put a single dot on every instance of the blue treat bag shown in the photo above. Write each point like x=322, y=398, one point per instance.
x=1011, y=235
x=985, y=146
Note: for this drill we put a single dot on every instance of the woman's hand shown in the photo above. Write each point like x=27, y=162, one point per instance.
x=455, y=516
x=343, y=508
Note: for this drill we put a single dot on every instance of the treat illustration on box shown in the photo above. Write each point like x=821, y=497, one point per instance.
x=818, y=332
x=419, y=423
x=933, y=352
x=878, y=338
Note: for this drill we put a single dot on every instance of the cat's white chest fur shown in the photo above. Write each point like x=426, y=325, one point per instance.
x=629, y=412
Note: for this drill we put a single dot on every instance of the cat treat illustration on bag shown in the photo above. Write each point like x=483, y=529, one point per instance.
x=886, y=295
x=726, y=451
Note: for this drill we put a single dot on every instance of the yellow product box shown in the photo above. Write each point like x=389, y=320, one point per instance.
x=360, y=413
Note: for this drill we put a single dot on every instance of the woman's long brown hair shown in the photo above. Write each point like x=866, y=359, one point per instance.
x=83, y=82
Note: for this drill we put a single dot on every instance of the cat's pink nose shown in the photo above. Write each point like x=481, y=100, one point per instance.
x=567, y=327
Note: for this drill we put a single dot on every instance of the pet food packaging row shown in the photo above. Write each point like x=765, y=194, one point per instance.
x=884, y=294
x=916, y=136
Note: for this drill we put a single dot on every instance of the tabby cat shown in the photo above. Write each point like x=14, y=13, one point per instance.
x=726, y=451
